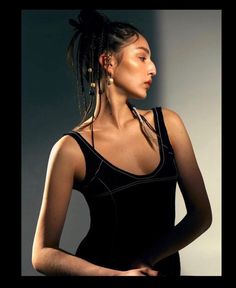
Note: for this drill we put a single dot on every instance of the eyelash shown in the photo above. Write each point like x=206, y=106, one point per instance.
x=142, y=58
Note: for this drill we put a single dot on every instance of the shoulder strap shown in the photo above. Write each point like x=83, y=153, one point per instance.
x=159, y=121
x=91, y=160
x=78, y=139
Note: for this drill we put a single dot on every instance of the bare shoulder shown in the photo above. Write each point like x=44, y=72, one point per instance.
x=175, y=127
x=66, y=156
x=66, y=148
x=171, y=118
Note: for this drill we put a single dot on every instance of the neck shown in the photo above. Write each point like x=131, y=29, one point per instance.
x=113, y=111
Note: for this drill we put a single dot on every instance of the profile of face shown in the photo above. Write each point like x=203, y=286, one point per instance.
x=132, y=69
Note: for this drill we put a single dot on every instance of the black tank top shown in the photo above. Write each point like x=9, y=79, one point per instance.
x=128, y=212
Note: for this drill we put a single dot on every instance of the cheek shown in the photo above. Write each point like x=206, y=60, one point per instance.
x=128, y=65
x=126, y=79
x=132, y=67
x=129, y=73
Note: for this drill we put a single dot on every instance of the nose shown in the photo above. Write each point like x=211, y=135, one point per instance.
x=152, y=69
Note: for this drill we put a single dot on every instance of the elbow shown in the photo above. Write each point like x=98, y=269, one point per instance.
x=35, y=260
x=200, y=220
x=206, y=220
x=36, y=265
x=208, y=217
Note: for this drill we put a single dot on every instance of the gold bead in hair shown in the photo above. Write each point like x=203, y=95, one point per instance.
x=92, y=85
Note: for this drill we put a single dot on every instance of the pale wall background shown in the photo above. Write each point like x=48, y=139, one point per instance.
x=190, y=83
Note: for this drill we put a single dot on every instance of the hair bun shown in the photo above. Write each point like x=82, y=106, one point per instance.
x=89, y=21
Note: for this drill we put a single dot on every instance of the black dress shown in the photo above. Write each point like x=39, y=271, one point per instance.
x=128, y=212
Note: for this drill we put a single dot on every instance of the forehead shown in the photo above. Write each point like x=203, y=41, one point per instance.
x=137, y=45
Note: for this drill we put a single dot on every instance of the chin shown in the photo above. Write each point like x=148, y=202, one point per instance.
x=139, y=96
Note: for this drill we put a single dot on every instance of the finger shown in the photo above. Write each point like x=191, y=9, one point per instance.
x=151, y=272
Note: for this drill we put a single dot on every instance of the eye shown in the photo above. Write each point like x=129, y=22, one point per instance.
x=142, y=58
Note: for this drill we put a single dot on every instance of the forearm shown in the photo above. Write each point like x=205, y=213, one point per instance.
x=56, y=262
x=185, y=232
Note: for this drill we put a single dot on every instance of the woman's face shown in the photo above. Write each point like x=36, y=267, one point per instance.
x=133, y=73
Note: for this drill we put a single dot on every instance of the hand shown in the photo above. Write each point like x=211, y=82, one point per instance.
x=144, y=271
x=137, y=264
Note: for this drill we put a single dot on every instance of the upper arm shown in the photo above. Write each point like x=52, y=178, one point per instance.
x=57, y=192
x=190, y=178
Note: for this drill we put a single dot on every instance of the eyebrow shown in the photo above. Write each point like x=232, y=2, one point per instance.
x=144, y=49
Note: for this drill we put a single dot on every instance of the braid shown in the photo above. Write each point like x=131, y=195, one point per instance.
x=94, y=35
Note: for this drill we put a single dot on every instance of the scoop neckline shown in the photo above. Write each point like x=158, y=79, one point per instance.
x=105, y=160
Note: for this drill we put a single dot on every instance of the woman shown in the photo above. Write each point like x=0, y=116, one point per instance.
x=124, y=160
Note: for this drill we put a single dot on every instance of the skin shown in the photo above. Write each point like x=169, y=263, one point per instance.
x=115, y=125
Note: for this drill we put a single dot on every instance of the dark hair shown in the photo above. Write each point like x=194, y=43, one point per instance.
x=94, y=34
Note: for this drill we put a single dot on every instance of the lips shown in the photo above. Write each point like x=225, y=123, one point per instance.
x=148, y=82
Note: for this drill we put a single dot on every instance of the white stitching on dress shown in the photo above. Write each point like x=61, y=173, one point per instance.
x=98, y=169
x=149, y=175
x=111, y=192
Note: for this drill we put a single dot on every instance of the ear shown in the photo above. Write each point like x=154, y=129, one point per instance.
x=107, y=61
